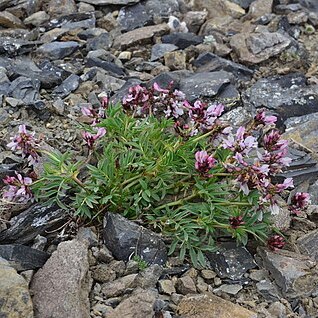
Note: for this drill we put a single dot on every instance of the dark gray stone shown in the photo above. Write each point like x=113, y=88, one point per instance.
x=107, y=2
x=243, y=3
x=209, y=62
x=311, y=5
x=72, y=21
x=34, y=221
x=110, y=67
x=182, y=40
x=288, y=95
x=25, y=89
x=133, y=17
x=292, y=272
x=308, y=244
x=100, y=42
x=158, y=50
x=13, y=47
x=22, y=257
x=205, y=85
x=161, y=9
x=268, y=290
x=123, y=91
x=67, y=87
x=231, y=261
x=125, y=238
x=57, y=50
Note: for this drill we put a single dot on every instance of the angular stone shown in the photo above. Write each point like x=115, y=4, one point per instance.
x=67, y=87
x=57, y=8
x=259, y=8
x=101, y=41
x=23, y=258
x=211, y=306
x=308, y=244
x=34, y=221
x=185, y=285
x=72, y=21
x=140, y=304
x=37, y=18
x=291, y=271
x=232, y=289
x=25, y=89
x=148, y=278
x=107, y=2
x=182, y=40
x=15, y=299
x=205, y=85
x=209, y=62
x=160, y=49
x=194, y=20
x=175, y=60
x=110, y=67
x=124, y=238
x=166, y=286
x=268, y=290
x=119, y=286
x=14, y=47
x=103, y=273
x=61, y=288
x=8, y=20
x=254, y=48
x=57, y=50
x=140, y=36
x=231, y=261
x=159, y=10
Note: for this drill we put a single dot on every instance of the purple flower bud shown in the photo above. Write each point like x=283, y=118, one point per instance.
x=157, y=88
x=276, y=242
x=299, y=202
x=204, y=162
x=236, y=221
x=90, y=138
x=262, y=119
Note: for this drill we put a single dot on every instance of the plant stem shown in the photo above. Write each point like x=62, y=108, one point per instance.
x=79, y=182
x=178, y=202
x=233, y=203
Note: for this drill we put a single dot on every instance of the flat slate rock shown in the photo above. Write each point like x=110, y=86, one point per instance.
x=107, y=2
x=22, y=257
x=182, y=40
x=158, y=50
x=125, y=238
x=308, y=244
x=57, y=50
x=68, y=86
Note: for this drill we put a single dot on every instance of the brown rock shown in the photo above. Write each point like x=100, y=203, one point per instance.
x=211, y=306
x=259, y=8
x=185, y=285
x=175, y=60
x=62, y=286
x=8, y=20
x=103, y=273
x=61, y=7
x=140, y=36
x=119, y=286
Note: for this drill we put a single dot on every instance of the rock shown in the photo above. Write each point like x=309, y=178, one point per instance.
x=175, y=60
x=57, y=50
x=277, y=310
x=291, y=271
x=103, y=273
x=140, y=304
x=124, y=238
x=140, y=36
x=232, y=289
x=259, y=8
x=73, y=21
x=103, y=255
x=101, y=41
x=132, y=267
x=254, y=48
x=85, y=7
x=148, y=278
x=176, y=25
x=133, y=17
x=25, y=89
x=8, y=20
x=182, y=40
x=243, y=3
x=34, y=221
x=194, y=20
x=205, y=84
x=15, y=299
x=166, y=286
x=37, y=18
x=124, y=56
x=107, y=2
x=231, y=261
x=67, y=293
x=211, y=306
x=268, y=290
x=13, y=47
x=209, y=62
x=57, y=8
x=208, y=274
x=159, y=10
x=308, y=244
x=67, y=87
x=88, y=236
x=22, y=257
x=110, y=67
x=185, y=285
x=119, y=286
x=160, y=49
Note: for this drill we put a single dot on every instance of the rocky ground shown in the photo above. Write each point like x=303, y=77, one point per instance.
x=60, y=55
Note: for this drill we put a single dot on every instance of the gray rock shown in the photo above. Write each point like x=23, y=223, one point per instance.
x=194, y=20
x=185, y=285
x=61, y=7
x=37, y=18
x=268, y=290
x=119, y=286
x=103, y=273
x=160, y=10
x=149, y=277
x=35, y=220
x=205, y=85
x=166, y=286
x=15, y=298
x=182, y=40
x=243, y=3
x=292, y=272
x=209, y=62
x=133, y=17
x=103, y=254
x=140, y=304
x=259, y=8
x=22, y=257
x=254, y=48
x=86, y=234
x=231, y=261
x=232, y=289
x=175, y=60
x=25, y=89
x=158, y=50
x=124, y=238
x=107, y=2
x=72, y=21
x=8, y=20
x=101, y=41
x=67, y=293
x=67, y=87
x=57, y=50
x=108, y=66
x=308, y=244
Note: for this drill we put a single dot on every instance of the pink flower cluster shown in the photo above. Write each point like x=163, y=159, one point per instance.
x=204, y=163
x=25, y=143
x=18, y=189
x=91, y=138
x=299, y=202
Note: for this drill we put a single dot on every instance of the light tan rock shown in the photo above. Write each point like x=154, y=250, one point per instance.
x=8, y=20
x=211, y=306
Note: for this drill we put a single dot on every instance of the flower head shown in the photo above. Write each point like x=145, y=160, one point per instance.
x=236, y=221
x=299, y=201
x=262, y=119
x=204, y=162
x=90, y=138
x=276, y=242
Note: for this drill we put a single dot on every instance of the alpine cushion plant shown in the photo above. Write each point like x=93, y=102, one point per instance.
x=176, y=167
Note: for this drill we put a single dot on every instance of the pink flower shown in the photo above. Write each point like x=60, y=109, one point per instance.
x=204, y=162
x=157, y=88
x=299, y=202
x=90, y=138
x=236, y=221
x=276, y=242
x=262, y=119
x=18, y=189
